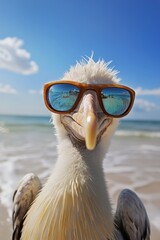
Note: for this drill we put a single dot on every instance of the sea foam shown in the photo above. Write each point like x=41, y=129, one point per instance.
x=126, y=133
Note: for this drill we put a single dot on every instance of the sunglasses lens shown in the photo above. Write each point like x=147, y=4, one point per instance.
x=115, y=100
x=62, y=96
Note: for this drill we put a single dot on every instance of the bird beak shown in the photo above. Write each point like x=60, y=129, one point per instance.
x=90, y=129
x=87, y=123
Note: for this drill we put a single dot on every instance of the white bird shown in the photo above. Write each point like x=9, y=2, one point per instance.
x=74, y=203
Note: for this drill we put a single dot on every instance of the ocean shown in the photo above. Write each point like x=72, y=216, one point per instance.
x=28, y=144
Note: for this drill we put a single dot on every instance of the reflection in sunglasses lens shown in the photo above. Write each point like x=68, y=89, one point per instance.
x=115, y=100
x=63, y=96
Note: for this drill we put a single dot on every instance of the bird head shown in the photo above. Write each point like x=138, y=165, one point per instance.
x=87, y=125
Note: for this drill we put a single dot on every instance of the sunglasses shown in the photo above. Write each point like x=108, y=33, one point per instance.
x=63, y=97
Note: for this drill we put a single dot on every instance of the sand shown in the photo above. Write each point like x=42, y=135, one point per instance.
x=5, y=224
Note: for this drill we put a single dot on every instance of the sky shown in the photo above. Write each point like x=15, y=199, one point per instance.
x=40, y=40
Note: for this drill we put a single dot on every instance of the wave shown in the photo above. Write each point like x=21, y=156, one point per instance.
x=127, y=133
x=7, y=127
x=3, y=129
x=127, y=128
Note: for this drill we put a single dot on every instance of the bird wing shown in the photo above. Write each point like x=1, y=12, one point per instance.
x=131, y=220
x=24, y=195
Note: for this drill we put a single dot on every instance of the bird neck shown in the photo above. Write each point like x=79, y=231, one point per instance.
x=82, y=192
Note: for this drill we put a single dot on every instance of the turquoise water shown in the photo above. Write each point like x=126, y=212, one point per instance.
x=11, y=120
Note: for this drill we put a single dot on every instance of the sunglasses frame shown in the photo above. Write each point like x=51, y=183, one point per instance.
x=83, y=87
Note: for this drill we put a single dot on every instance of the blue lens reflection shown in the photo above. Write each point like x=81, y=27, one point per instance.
x=63, y=96
x=115, y=100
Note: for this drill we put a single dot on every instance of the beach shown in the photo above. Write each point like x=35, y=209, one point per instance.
x=28, y=144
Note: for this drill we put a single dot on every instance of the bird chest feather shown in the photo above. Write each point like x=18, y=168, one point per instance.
x=73, y=213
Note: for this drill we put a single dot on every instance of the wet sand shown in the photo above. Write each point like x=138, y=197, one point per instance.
x=5, y=224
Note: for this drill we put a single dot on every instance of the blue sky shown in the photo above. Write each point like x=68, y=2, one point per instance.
x=40, y=40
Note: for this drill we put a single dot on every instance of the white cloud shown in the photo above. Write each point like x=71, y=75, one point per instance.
x=145, y=105
x=6, y=88
x=149, y=92
x=14, y=58
x=32, y=92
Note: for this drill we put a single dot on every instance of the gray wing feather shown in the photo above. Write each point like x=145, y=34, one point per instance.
x=131, y=220
x=24, y=195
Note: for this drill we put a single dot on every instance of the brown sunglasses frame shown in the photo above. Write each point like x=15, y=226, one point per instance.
x=83, y=88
